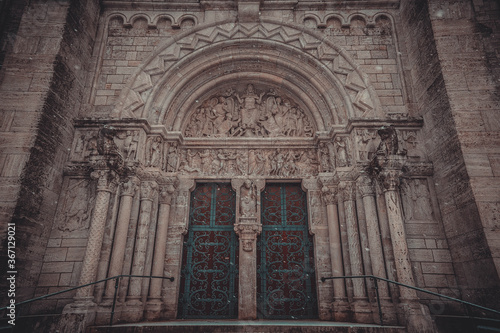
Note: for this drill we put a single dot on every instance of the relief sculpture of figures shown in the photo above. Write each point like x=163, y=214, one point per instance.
x=389, y=143
x=154, y=150
x=248, y=199
x=341, y=156
x=172, y=158
x=240, y=162
x=248, y=114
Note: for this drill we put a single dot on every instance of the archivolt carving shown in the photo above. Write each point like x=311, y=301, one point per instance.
x=337, y=63
x=252, y=113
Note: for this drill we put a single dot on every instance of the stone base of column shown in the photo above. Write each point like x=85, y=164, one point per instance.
x=342, y=311
x=362, y=311
x=81, y=305
x=389, y=315
x=417, y=316
x=133, y=311
x=153, y=309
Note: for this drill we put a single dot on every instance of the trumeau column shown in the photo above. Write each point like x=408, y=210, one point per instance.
x=362, y=311
x=148, y=190
x=154, y=302
x=418, y=318
x=330, y=199
x=106, y=184
x=367, y=192
x=128, y=190
x=248, y=227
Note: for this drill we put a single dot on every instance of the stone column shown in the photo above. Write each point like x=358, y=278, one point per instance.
x=148, y=191
x=362, y=311
x=106, y=184
x=247, y=227
x=418, y=318
x=154, y=302
x=128, y=190
x=340, y=305
x=367, y=192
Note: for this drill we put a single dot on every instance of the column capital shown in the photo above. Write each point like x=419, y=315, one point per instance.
x=329, y=195
x=148, y=189
x=107, y=180
x=167, y=186
x=390, y=179
x=348, y=189
x=248, y=234
x=129, y=186
x=365, y=186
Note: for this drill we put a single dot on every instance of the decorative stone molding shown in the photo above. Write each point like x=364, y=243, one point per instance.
x=129, y=187
x=348, y=190
x=365, y=186
x=329, y=195
x=248, y=233
x=334, y=60
x=107, y=180
x=148, y=190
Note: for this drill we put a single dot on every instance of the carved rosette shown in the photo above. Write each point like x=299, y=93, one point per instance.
x=248, y=233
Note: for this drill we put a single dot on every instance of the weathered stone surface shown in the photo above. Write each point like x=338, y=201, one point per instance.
x=257, y=92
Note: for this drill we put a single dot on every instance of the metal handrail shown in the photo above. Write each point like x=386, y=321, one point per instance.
x=375, y=278
x=117, y=282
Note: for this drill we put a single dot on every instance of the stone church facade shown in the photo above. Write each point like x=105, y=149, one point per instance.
x=140, y=136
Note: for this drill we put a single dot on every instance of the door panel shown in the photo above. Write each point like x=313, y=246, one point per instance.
x=286, y=277
x=209, y=278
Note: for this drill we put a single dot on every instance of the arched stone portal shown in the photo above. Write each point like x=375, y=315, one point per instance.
x=245, y=104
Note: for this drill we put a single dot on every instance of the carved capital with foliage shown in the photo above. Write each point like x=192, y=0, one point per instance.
x=130, y=186
x=365, y=186
x=107, y=180
x=148, y=189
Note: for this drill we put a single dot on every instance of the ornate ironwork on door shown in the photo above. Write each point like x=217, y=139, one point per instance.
x=209, y=278
x=286, y=279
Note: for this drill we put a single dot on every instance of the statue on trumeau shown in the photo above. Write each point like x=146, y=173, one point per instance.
x=248, y=199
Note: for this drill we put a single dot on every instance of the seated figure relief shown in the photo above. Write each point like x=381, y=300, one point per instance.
x=248, y=114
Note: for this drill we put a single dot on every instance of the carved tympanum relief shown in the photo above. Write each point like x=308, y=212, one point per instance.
x=249, y=114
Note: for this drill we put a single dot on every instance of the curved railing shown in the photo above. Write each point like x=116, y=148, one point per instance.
x=117, y=283
x=376, y=278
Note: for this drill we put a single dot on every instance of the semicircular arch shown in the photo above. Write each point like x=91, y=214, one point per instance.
x=332, y=80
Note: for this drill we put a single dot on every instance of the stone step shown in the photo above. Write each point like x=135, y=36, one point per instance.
x=256, y=326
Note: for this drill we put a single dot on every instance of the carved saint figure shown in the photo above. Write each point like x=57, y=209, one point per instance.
x=172, y=158
x=248, y=199
x=249, y=110
x=155, y=152
x=130, y=145
x=341, y=156
x=324, y=158
x=389, y=143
